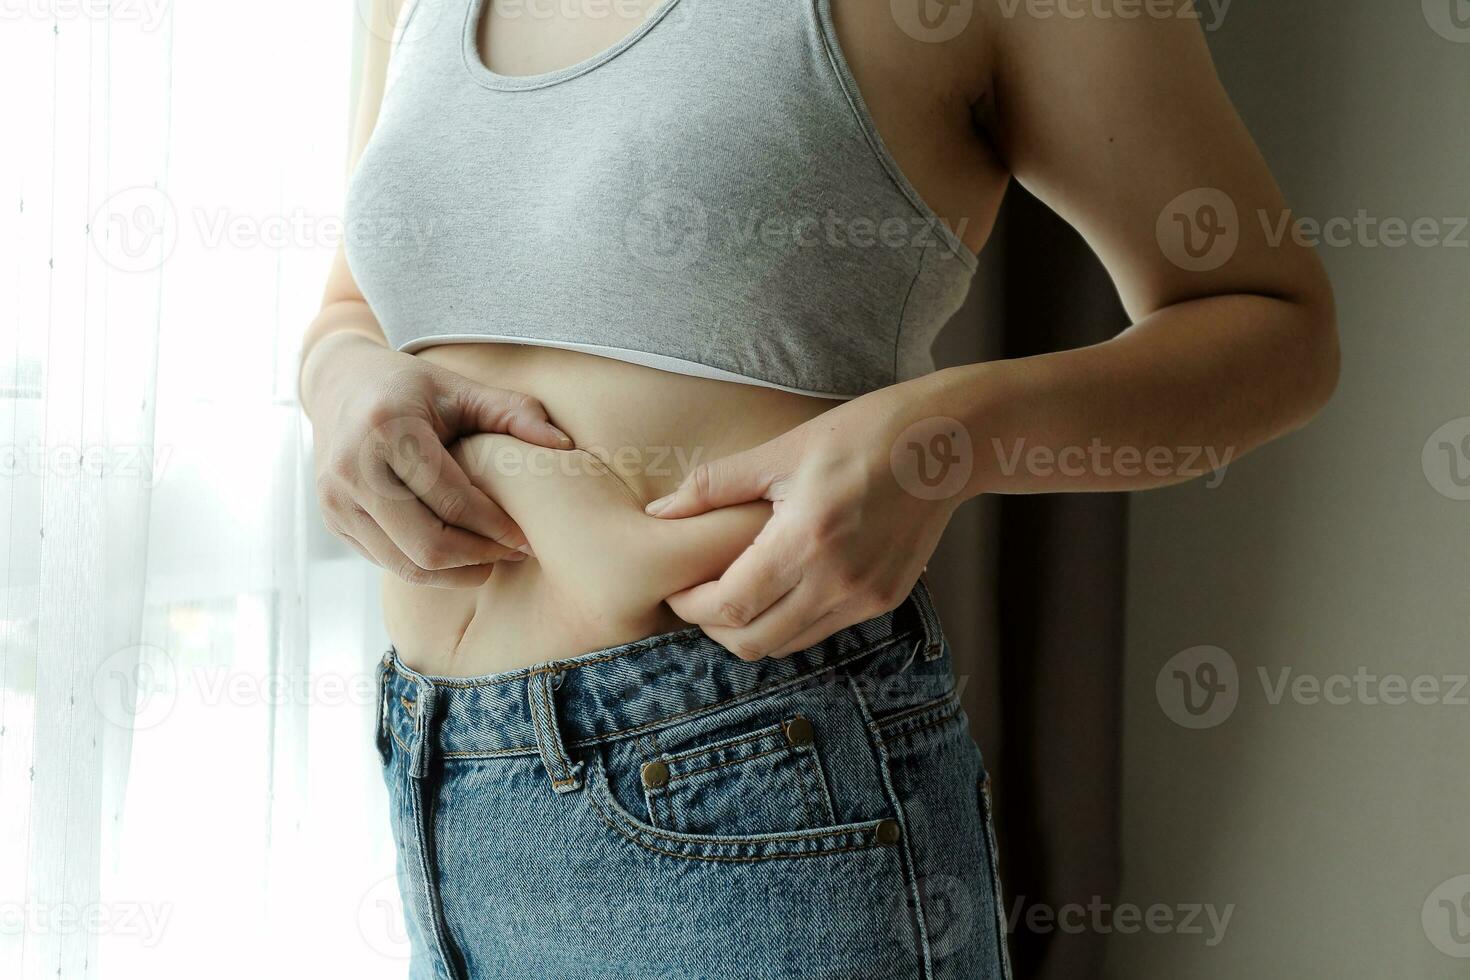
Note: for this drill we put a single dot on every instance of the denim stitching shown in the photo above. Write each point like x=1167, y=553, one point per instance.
x=620, y=733
x=393, y=730
x=705, y=840
x=946, y=706
x=909, y=863
x=890, y=738
x=567, y=666
x=659, y=813
x=647, y=748
x=756, y=735
x=544, y=690
x=638, y=646
x=726, y=764
x=988, y=815
x=538, y=723
x=523, y=750
x=817, y=787
x=747, y=696
x=805, y=759
x=788, y=855
x=440, y=929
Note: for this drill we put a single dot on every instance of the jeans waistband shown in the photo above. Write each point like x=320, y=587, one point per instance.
x=625, y=691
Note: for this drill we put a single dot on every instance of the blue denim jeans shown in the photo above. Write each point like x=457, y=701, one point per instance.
x=664, y=809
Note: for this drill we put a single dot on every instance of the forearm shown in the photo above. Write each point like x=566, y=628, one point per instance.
x=1182, y=393
x=339, y=327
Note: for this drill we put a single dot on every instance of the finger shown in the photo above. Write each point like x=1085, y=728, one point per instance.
x=430, y=472
x=827, y=624
x=381, y=550
x=404, y=451
x=476, y=408
x=755, y=581
x=772, y=633
x=430, y=543
x=415, y=530
x=722, y=483
x=356, y=545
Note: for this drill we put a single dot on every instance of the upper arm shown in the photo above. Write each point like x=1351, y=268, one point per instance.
x=381, y=17
x=1122, y=127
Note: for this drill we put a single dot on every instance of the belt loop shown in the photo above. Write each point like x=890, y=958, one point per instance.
x=933, y=635
x=565, y=775
x=423, y=730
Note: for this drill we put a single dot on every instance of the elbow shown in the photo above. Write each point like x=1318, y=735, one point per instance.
x=1316, y=357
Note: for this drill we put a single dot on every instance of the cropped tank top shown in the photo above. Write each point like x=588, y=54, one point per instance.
x=708, y=196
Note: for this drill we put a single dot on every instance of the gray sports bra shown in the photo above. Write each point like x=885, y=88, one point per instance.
x=708, y=196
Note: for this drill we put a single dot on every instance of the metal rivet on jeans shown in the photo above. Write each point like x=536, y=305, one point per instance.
x=655, y=774
x=799, y=731
x=887, y=832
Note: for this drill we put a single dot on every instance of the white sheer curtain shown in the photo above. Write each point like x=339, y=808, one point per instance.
x=187, y=780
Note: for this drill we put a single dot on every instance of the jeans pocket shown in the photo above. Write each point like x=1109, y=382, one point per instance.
x=792, y=773
x=766, y=780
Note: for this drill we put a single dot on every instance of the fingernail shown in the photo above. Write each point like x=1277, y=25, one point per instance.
x=658, y=505
x=514, y=556
x=525, y=549
x=566, y=440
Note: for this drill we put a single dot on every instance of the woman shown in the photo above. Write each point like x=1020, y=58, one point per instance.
x=623, y=378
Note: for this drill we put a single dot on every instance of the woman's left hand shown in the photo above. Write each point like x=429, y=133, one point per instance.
x=855, y=517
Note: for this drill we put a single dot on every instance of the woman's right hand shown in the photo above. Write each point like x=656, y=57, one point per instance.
x=385, y=480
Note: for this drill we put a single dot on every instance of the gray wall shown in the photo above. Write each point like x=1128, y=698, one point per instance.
x=1327, y=826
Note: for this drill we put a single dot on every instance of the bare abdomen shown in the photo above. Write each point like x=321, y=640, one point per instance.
x=602, y=567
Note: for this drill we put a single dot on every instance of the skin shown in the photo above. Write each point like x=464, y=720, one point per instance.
x=1106, y=119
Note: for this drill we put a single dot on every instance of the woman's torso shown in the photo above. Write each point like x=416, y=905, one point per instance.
x=603, y=567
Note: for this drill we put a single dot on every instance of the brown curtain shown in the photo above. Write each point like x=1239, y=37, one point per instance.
x=1031, y=590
